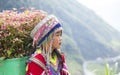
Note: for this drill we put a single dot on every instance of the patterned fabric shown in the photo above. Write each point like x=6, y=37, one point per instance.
x=44, y=29
x=34, y=69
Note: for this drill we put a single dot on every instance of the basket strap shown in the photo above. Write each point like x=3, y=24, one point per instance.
x=38, y=62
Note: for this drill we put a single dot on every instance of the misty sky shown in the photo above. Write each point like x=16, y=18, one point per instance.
x=109, y=10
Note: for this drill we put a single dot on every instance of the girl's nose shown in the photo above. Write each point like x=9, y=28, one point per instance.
x=60, y=38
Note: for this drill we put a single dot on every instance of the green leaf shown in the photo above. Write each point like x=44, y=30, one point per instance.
x=9, y=52
x=107, y=68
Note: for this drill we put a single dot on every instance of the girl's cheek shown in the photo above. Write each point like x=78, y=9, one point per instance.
x=54, y=44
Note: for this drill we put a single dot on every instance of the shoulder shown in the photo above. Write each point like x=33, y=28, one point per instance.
x=40, y=57
x=33, y=67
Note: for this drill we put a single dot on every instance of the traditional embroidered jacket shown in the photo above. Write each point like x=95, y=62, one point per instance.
x=38, y=66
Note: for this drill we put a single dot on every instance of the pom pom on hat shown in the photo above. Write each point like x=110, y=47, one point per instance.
x=44, y=28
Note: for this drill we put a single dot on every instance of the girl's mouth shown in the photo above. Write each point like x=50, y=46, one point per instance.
x=59, y=43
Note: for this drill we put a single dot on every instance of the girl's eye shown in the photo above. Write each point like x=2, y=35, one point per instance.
x=59, y=34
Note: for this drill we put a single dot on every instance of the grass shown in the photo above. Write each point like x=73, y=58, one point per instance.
x=103, y=69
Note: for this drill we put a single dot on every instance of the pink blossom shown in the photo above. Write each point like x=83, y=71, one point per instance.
x=3, y=27
x=16, y=26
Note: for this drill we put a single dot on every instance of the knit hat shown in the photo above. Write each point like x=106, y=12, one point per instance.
x=44, y=28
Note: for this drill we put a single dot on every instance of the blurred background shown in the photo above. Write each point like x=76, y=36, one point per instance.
x=91, y=37
x=107, y=9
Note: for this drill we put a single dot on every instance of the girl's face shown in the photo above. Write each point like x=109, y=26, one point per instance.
x=57, y=39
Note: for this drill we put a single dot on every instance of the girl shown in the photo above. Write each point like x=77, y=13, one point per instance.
x=47, y=59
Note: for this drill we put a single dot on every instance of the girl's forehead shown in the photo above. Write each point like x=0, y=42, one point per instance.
x=58, y=30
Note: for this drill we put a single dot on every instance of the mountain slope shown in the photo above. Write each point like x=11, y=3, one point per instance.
x=90, y=32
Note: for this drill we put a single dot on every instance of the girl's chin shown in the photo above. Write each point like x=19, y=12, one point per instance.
x=56, y=48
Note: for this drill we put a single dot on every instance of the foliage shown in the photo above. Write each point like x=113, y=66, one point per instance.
x=111, y=70
x=15, y=28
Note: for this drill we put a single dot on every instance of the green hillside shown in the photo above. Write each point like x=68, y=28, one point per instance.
x=86, y=35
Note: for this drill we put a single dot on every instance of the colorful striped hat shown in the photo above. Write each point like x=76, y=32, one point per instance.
x=44, y=28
